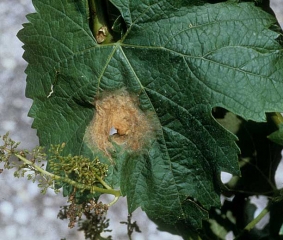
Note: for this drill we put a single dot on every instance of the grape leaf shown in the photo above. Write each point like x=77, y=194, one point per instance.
x=179, y=61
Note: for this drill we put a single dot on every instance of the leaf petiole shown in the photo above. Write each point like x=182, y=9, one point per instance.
x=252, y=224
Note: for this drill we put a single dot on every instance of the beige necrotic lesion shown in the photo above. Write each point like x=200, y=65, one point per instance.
x=119, y=119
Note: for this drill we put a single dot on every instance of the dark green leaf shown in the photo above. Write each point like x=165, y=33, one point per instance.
x=179, y=61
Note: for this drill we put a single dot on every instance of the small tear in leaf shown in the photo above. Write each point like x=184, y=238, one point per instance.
x=112, y=131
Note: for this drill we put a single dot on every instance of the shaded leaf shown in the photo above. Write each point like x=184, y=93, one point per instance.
x=259, y=159
x=277, y=136
x=276, y=220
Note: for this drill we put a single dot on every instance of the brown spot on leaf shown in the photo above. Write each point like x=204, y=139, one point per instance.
x=119, y=111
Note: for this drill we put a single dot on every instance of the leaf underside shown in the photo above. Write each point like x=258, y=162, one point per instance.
x=181, y=61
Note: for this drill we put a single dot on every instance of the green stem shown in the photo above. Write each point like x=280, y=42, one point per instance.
x=252, y=224
x=102, y=182
x=114, y=201
x=98, y=21
x=109, y=190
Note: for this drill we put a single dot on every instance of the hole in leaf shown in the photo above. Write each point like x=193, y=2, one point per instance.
x=112, y=131
x=226, y=177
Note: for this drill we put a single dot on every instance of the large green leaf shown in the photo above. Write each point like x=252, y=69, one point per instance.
x=180, y=61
